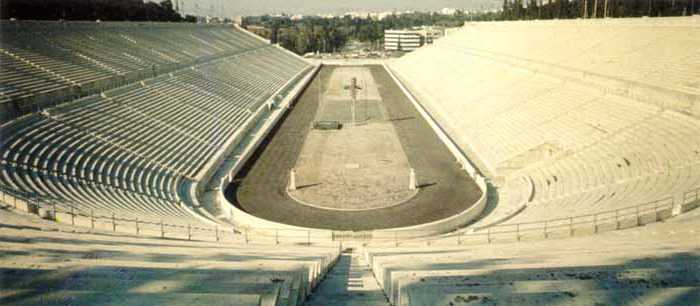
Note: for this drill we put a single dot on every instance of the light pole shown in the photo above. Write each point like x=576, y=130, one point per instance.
x=605, y=9
x=595, y=9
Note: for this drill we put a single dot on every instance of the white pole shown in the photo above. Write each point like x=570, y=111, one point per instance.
x=364, y=87
x=595, y=9
x=292, y=180
x=352, y=106
x=605, y=9
x=677, y=205
x=412, y=180
x=353, y=86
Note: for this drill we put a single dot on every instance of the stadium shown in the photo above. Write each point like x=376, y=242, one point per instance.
x=550, y=162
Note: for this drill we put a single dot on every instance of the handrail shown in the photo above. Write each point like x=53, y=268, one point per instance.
x=52, y=208
x=614, y=219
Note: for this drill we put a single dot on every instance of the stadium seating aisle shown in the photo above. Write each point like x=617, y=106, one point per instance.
x=654, y=265
x=130, y=149
x=46, y=263
x=518, y=99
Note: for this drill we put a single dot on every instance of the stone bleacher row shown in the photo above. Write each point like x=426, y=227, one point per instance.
x=655, y=265
x=661, y=52
x=129, y=150
x=42, y=58
x=583, y=148
x=47, y=263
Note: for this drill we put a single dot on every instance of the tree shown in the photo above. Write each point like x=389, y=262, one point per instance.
x=547, y=9
x=109, y=10
x=301, y=43
x=562, y=9
x=328, y=35
x=533, y=10
x=507, y=10
x=274, y=38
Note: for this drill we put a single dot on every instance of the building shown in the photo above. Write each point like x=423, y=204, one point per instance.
x=402, y=40
x=448, y=11
x=431, y=34
x=409, y=40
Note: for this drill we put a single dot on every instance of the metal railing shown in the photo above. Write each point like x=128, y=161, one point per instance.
x=103, y=220
x=615, y=219
x=609, y=220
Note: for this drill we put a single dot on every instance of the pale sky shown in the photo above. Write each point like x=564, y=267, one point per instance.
x=258, y=7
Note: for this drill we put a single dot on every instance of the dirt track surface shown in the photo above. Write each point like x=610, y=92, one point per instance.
x=259, y=188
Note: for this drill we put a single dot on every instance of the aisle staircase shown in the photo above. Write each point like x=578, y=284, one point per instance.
x=350, y=282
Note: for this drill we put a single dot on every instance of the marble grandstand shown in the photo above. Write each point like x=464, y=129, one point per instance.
x=132, y=148
x=45, y=63
x=145, y=121
x=567, y=125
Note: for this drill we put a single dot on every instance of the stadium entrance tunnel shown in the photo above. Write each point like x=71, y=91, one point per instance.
x=358, y=177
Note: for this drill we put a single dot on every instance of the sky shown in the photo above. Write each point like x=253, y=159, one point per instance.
x=259, y=7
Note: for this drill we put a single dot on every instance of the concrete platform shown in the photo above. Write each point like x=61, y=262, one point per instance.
x=355, y=168
x=361, y=166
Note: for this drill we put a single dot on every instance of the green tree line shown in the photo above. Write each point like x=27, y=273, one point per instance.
x=107, y=10
x=568, y=9
x=312, y=34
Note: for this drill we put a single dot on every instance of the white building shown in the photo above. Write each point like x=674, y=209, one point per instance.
x=409, y=40
x=402, y=40
x=448, y=11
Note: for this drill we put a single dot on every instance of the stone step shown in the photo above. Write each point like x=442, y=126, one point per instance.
x=450, y=296
x=350, y=282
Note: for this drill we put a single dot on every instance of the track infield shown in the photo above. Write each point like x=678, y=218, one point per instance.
x=445, y=190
